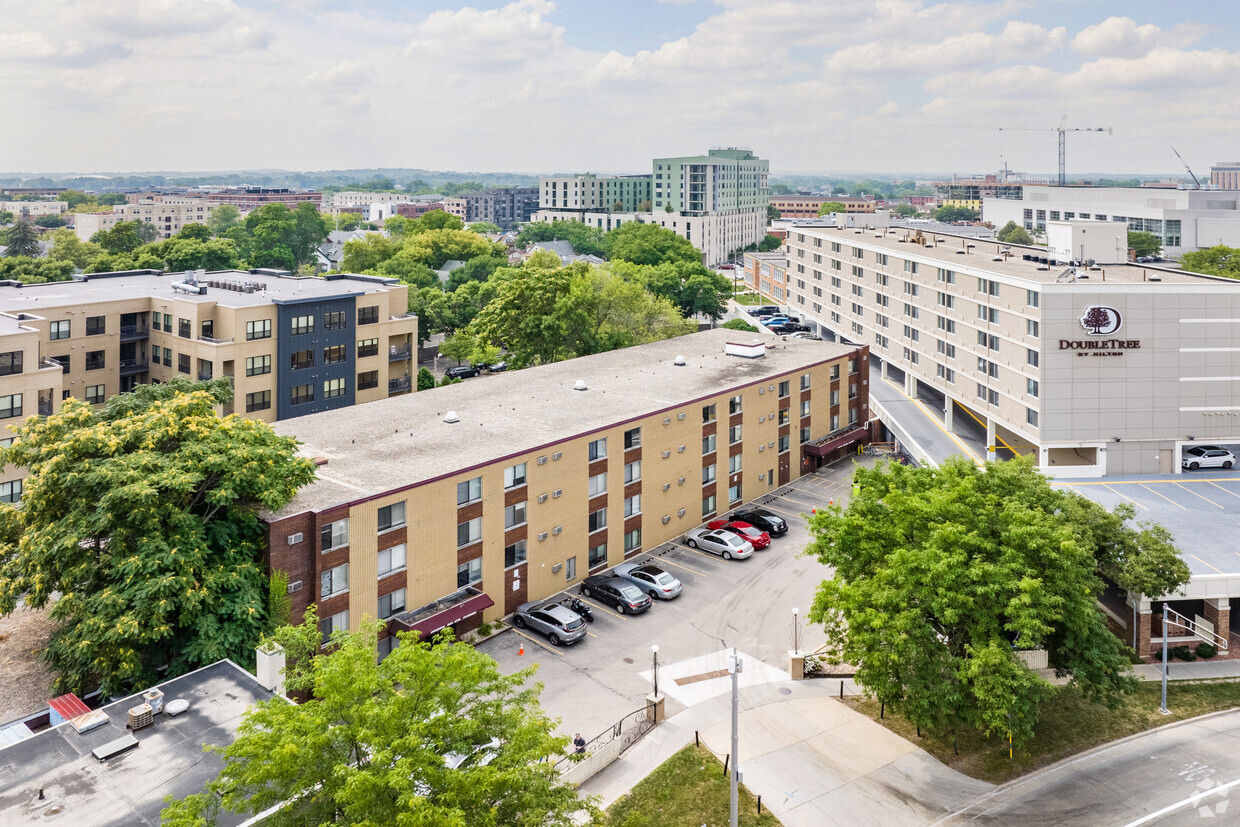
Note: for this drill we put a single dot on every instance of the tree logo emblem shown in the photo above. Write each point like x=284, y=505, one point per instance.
x=1101, y=321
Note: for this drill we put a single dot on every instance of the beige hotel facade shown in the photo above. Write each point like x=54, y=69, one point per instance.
x=1096, y=370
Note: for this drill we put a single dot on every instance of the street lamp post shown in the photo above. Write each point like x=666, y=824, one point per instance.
x=1164, y=709
x=796, y=630
x=654, y=651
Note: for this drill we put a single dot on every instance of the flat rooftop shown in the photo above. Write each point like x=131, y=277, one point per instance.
x=103, y=287
x=403, y=440
x=946, y=248
x=130, y=788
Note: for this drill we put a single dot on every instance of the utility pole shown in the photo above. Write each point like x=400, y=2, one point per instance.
x=734, y=666
x=1164, y=709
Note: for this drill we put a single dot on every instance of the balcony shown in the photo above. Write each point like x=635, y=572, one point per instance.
x=399, y=385
x=48, y=364
x=45, y=407
x=134, y=332
x=131, y=366
x=396, y=354
x=211, y=340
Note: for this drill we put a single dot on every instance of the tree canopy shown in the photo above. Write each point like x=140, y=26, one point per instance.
x=828, y=207
x=433, y=734
x=940, y=574
x=143, y=516
x=1013, y=233
x=1144, y=244
x=223, y=218
x=22, y=239
x=1215, y=261
x=949, y=214
x=283, y=238
x=585, y=240
x=35, y=270
x=648, y=244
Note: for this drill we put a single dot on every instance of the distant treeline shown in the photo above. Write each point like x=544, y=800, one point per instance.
x=330, y=179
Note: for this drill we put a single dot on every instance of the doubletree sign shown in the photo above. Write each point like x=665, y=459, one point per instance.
x=1100, y=321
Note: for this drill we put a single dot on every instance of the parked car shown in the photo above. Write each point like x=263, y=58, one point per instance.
x=498, y=367
x=769, y=522
x=461, y=372
x=788, y=327
x=764, y=310
x=727, y=266
x=651, y=579
x=775, y=321
x=724, y=543
x=558, y=623
x=758, y=538
x=1209, y=459
x=622, y=595
x=804, y=335
x=1198, y=450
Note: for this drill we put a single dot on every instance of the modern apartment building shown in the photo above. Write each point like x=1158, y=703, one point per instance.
x=291, y=346
x=249, y=198
x=721, y=181
x=505, y=206
x=1096, y=370
x=1225, y=175
x=589, y=193
x=445, y=508
x=1185, y=220
x=169, y=214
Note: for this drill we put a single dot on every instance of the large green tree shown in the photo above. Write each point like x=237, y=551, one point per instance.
x=1215, y=261
x=648, y=244
x=223, y=218
x=433, y=735
x=66, y=246
x=35, y=270
x=284, y=238
x=949, y=213
x=941, y=574
x=1013, y=233
x=828, y=207
x=22, y=239
x=123, y=237
x=585, y=240
x=1144, y=244
x=143, y=516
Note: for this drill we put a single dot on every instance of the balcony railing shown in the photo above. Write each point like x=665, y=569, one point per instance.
x=399, y=384
x=132, y=366
x=131, y=332
x=45, y=407
x=45, y=364
x=398, y=353
x=213, y=341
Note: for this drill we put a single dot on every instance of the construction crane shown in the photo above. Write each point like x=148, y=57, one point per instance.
x=1187, y=167
x=1062, y=129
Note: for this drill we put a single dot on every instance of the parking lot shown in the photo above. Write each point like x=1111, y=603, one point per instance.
x=743, y=603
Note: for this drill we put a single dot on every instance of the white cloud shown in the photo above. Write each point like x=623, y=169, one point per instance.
x=471, y=38
x=1122, y=37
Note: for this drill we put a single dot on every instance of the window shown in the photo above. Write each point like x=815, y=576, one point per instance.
x=946, y=300
x=805, y=408
x=708, y=444
x=835, y=373
x=1031, y=327
x=467, y=573
x=734, y=464
x=598, y=520
x=335, y=320
x=948, y=350
x=94, y=360
x=11, y=405
x=368, y=379
x=334, y=581
x=514, y=476
x=911, y=311
x=301, y=394
x=734, y=434
x=168, y=322
x=391, y=604
x=633, y=438
x=598, y=449
x=11, y=492
x=570, y=569
x=988, y=341
x=1031, y=356
x=1031, y=387
x=805, y=435
x=96, y=325
x=392, y=559
x=598, y=484
x=598, y=555
x=302, y=359
x=911, y=333
x=708, y=505
x=946, y=373
x=334, y=387
x=947, y=325
x=468, y=532
x=632, y=471
x=260, y=329
x=835, y=400
x=155, y=323
x=947, y=276
x=11, y=363
x=167, y=357
x=368, y=315
x=708, y=412
x=469, y=491
x=632, y=540
x=514, y=515
x=990, y=314
x=302, y=324
x=257, y=365
x=734, y=494
x=334, y=535
x=94, y=394
x=64, y=360
x=392, y=516
x=734, y=405
x=1031, y=298
x=185, y=329
x=367, y=347
x=783, y=443
x=993, y=397
x=335, y=354
x=633, y=505
x=257, y=401
x=708, y=474
x=910, y=288
x=335, y=623
x=183, y=362
x=805, y=381
x=514, y=554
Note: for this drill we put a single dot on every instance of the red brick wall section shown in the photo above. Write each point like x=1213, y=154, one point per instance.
x=296, y=560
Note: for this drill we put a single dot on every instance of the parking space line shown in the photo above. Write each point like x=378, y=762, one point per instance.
x=536, y=641
x=1204, y=563
x=1195, y=494
x=786, y=512
x=802, y=502
x=705, y=554
x=1125, y=496
x=657, y=560
x=1221, y=488
x=597, y=606
x=1168, y=499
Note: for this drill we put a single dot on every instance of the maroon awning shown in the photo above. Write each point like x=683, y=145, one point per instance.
x=428, y=626
x=828, y=446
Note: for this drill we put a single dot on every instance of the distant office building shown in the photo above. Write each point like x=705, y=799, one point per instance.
x=1225, y=175
x=169, y=215
x=418, y=209
x=806, y=206
x=250, y=198
x=34, y=209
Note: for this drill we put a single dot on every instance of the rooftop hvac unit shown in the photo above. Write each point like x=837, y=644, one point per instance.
x=141, y=716
x=294, y=539
x=154, y=697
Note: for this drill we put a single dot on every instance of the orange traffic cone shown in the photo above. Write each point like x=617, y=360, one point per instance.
x=814, y=510
x=521, y=650
x=833, y=501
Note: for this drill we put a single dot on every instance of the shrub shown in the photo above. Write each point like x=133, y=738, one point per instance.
x=1132, y=656
x=484, y=630
x=813, y=664
x=1206, y=650
x=1181, y=653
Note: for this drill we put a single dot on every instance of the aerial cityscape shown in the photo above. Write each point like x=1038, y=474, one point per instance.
x=680, y=412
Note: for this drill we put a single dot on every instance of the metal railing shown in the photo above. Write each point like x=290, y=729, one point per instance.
x=397, y=353
x=1177, y=620
x=399, y=384
x=211, y=340
x=46, y=363
x=628, y=730
x=134, y=365
x=134, y=331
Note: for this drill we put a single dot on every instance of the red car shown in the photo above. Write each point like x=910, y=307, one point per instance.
x=757, y=538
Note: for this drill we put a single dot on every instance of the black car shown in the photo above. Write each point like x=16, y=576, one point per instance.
x=461, y=372
x=764, y=310
x=771, y=523
x=790, y=327
x=620, y=594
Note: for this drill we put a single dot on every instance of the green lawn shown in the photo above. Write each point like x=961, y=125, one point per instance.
x=687, y=790
x=1069, y=725
x=749, y=299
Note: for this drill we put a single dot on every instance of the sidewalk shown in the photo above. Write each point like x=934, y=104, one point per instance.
x=1177, y=670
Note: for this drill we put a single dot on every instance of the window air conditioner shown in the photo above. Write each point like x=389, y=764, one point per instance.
x=542, y=535
x=294, y=539
x=542, y=498
x=555, y=531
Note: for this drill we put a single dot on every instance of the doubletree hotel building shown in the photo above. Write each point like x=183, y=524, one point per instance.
x=1095, y=367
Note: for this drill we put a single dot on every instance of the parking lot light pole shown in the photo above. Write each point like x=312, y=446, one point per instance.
x=796, y=630
x=1164, y=709
x=734, y=666
x=654, y=650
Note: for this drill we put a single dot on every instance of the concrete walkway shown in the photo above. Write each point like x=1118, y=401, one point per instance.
x=1177, y=670
x=812, y=759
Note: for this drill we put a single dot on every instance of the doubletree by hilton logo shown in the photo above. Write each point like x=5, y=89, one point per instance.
x=1100, y=321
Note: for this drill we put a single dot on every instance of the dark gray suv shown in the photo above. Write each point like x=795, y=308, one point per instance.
x=558, y=623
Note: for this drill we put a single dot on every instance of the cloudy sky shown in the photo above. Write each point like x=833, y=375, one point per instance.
x=576, y=85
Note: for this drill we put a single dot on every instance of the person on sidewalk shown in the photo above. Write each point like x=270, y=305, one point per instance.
x=580, y=744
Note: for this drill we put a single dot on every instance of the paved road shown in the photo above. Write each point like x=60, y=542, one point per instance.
x=1186, y=772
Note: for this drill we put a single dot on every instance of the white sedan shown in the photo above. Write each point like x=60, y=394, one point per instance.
x=724, y=543
x=1209, y=458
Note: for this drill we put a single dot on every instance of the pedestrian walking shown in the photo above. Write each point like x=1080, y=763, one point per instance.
x=580, y=744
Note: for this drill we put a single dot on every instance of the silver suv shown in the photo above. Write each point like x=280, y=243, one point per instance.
x=651, y=579
x=558, y=623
